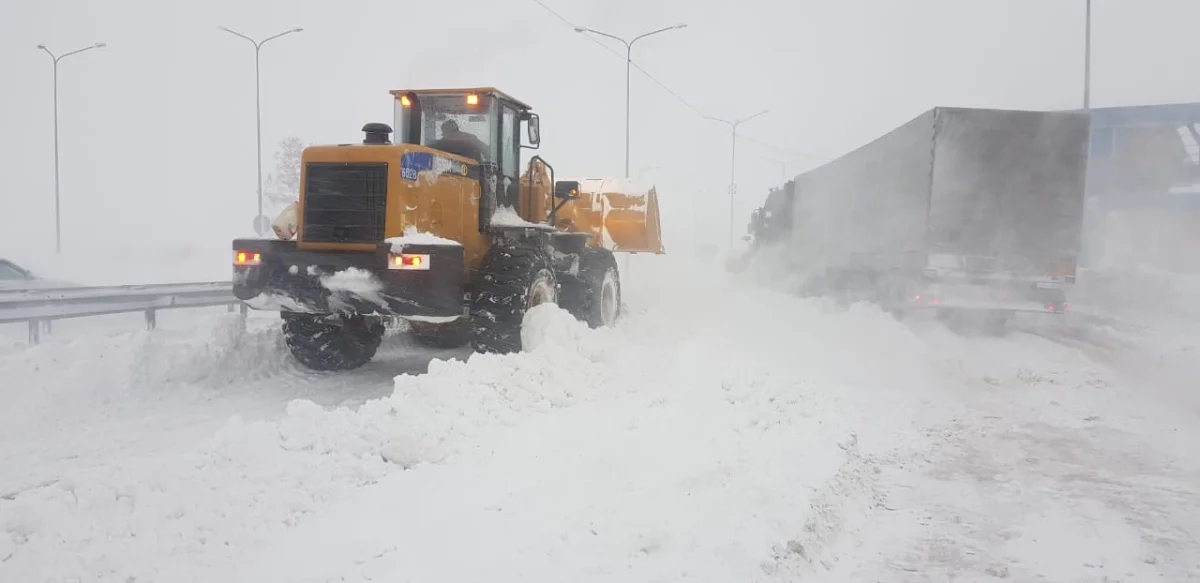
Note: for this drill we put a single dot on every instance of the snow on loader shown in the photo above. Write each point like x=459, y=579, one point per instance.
x=442, y=229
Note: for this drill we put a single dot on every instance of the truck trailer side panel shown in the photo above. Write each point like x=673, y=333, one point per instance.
x=990, y=191
x=867, y=208
x=1007, y=190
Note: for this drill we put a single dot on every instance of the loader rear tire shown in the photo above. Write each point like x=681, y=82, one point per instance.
x=328, y=342
x=449, y=335
x=594, y=295
x=511, y=280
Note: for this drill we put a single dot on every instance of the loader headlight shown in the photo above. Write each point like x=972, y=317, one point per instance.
x=247, y=258
x=408, y=261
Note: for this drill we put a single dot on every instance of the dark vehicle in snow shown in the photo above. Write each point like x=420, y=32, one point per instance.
x=958, y=211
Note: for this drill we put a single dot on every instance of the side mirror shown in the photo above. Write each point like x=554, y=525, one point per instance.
x=566, y=189
x=534, y=130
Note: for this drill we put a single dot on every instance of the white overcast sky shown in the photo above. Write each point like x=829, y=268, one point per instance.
x=158, y=128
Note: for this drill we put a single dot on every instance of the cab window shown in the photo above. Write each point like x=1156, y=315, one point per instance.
x=460, y=124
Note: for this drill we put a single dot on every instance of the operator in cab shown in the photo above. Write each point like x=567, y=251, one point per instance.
x=456, y=141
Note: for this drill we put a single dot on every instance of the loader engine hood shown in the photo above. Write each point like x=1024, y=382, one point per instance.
x=353, y=196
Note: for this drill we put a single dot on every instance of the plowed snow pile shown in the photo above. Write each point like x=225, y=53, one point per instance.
x=675, y=443
x=719, y=433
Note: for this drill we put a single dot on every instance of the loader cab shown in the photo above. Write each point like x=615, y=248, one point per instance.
x=482, y=124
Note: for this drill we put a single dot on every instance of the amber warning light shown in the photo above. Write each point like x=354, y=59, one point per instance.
x=408, y=261
x=472, y=99
x=246, y=258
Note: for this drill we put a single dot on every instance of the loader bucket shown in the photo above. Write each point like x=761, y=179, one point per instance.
x=623, y=217
x=632, y=222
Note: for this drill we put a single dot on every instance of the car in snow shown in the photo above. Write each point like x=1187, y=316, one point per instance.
x=13, y=277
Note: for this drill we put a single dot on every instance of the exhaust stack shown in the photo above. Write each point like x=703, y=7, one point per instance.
x=377, y=133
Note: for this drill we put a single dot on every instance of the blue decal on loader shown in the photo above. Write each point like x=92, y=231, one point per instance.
x=411, y=163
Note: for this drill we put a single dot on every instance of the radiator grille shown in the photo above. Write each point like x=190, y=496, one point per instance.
x=345, y=202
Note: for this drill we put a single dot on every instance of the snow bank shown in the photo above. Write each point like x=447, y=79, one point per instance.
x=414, y=237
x=670, y=445
x=717, y=433
x=583, y=459
x=80, y=398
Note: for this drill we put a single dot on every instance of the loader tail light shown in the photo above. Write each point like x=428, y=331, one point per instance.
x=408, y=261
x=247, y=258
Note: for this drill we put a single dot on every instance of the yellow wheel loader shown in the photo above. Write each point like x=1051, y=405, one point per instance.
x=440, y=227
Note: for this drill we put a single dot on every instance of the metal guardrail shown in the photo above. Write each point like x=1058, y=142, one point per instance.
x=39, y=307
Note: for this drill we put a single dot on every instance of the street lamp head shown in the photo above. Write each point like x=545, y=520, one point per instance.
x=680, y=25
x=100, y=45
x=581, y=29
x=297, y=29
x=42, y=47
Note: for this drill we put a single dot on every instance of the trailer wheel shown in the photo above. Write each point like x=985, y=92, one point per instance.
x=448, y=335
x=331, y=342
x=996, y=323
x=511, y=280
x=594, y=295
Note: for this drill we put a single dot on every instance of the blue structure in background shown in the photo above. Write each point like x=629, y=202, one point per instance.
x=1142, y=158
x=1141, y=151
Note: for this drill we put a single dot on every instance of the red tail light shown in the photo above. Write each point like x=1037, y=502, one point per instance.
x=408, y=261
x=247, y=258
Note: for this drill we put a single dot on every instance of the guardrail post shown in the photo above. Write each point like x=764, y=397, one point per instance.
x=151, y=319
x=35, y=331
x=244, y=309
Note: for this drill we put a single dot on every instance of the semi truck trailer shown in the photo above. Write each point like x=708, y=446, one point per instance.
x=958, y=210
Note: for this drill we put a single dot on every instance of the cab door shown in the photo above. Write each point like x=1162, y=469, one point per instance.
x=510, y=161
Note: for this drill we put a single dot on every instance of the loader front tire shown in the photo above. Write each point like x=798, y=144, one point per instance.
x=328, y=342
x=594, y=295
x=511, y=280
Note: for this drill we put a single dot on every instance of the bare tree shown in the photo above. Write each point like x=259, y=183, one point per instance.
x=283, y=186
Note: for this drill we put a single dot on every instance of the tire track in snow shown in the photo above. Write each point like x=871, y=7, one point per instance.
x=1043, y=467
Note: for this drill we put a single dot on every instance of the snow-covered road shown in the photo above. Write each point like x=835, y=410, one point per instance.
x=719, y=433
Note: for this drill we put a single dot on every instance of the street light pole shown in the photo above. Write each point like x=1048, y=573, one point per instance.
x=258, y=106
x=1087, y=59
x=782, y=168
x=57, y=204
x=733, y=126
x=628, y=69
